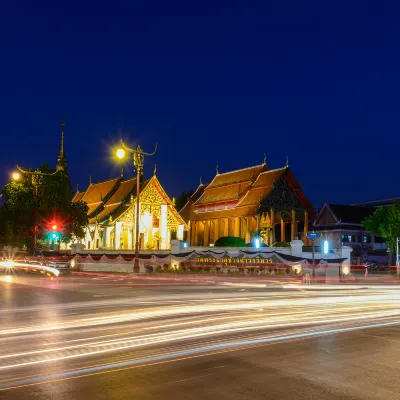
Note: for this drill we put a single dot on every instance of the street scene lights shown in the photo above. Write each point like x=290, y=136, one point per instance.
x=36, y=177
x=138, y=163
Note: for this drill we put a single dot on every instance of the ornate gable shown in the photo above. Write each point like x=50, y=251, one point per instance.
x=282, y=196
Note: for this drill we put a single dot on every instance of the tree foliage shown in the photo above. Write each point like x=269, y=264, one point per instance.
x=182, y=199
x=384, y=222
x=230, y=241
x=19, y=213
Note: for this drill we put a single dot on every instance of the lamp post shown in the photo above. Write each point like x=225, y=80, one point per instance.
x=138, y=162
x=36, y=177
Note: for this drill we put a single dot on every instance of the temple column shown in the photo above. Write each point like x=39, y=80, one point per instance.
x=108, y=236
x=236, y=227
x=247, y=226
x=216, y=230
x=272, y=231
x=283, y=233
x=129, y=245
x=206, y=233
x=305, y=239
x=118, y=228
x=226, y=227
x=163, y=227
x=293, y=225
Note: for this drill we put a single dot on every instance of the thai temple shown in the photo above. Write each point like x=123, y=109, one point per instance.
x=253, y=201
x=244, y=202
x=112, y=210
x=112, y=213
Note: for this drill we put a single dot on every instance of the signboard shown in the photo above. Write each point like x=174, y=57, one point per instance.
x=234, y=260
x=312, y=235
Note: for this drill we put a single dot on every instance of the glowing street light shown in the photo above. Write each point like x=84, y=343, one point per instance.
x=120, y=153
x=16, y=176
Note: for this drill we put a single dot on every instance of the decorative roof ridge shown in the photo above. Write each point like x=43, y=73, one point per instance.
x=189, y=199
x=108, y=180
x=230, y=184
x=326, y=205
x=241, y=169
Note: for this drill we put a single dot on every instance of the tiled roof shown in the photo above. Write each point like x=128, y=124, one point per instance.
x=96, y=192
x=93, y=207
x=226, y=193
x=351, y=214
x=125, y=188
x=104, y=213
x=241, y=175
x=255, y=195
x=78, y=196
x=268, y=178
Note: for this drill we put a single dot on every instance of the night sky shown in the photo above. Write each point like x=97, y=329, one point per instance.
x=212, y=83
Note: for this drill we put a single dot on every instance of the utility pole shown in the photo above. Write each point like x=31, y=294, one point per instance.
x=36, y=177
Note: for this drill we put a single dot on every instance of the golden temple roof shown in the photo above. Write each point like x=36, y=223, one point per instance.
x=240, y=175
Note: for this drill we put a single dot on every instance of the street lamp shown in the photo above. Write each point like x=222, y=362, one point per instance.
x=138, y=162
x=36, y=177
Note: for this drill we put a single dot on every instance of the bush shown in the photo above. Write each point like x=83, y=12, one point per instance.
x=281, y=244
x=230, y=241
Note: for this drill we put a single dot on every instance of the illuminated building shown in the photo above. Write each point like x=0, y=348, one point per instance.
x=249, y=202
x=112, y=208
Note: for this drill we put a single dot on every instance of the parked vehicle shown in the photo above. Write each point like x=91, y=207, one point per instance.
x=52, y=258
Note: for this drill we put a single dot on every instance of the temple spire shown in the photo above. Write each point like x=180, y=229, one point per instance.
x=216, y=170
x=77, y=188
x=122, y=172
x=155, y=169
x=61, y=160
x=201, y=181
x=287, y=162
x=90, y=179
x=265, y=159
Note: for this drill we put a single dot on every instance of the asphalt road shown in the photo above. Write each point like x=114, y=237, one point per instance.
x=110, y=337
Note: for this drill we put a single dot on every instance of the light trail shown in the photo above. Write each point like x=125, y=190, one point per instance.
x=145, y=333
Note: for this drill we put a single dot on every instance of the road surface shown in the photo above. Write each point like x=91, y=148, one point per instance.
x=108, y=337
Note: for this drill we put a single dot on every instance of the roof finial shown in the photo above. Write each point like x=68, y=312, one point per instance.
x=155, y=169
x=216, y=169
x=61, y=161
x=265, y=159
x=90, y=179
x=287, y=162
x=62, y=139
x=173, y=201
x=77, y=188
x=122, y=172
x=201, y=181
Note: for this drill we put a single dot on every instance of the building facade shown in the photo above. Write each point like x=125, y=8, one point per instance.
x=112, y=215
x=248, y=202
x=341, y=225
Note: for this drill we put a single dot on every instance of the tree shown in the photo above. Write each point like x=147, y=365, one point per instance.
x=18, y=213
x=385, y=222
x=182, y=199
x=230, y=241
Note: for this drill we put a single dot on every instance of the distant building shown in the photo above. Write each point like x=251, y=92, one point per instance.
x=341, y=224
x=248, y=202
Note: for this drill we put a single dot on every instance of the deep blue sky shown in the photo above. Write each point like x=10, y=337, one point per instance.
x=212, y=83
